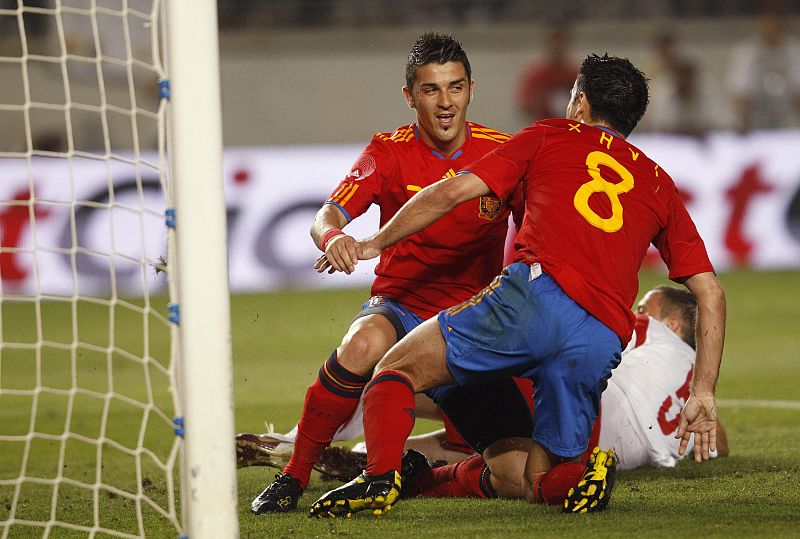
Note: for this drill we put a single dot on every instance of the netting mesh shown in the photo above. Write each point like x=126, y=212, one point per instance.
x=87, y=384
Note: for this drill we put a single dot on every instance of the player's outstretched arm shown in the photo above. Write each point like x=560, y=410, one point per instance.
x=339, y=248
x=699, y=415
x=423, y=209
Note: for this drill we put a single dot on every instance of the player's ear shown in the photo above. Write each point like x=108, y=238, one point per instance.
x=584, y=108
x=471, y=89
x=409, y=97
x=674, y=324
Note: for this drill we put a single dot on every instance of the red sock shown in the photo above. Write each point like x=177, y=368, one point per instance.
x=594, y=438
x=330, y=401
x=466, y=479
x=553, y=487
x=389, y=413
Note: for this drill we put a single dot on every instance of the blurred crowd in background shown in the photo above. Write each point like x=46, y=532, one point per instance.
x=237, y=14
x=758, y=87
x=762, y=80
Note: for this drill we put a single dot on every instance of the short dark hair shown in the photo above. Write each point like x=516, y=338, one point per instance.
x=616, y=90
x=432, y=47
x=681, y=304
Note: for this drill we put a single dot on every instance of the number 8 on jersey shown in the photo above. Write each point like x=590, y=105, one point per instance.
x=598, y=184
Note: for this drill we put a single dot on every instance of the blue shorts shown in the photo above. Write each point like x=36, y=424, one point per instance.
x=524, y=325
x=403, y=321
x=401, y=318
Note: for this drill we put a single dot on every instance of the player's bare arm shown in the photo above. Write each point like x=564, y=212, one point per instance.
x=338, y=247
x=423, y=209
x=699, y=415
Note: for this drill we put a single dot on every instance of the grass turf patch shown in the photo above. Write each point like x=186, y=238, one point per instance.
x=279, y=342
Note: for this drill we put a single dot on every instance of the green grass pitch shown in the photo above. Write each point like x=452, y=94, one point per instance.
x=280, y=340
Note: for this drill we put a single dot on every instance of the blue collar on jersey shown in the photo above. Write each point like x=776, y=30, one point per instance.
x=440, y=155
x=608, y=130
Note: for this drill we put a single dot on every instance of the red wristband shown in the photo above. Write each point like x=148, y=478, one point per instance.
x=329, y=234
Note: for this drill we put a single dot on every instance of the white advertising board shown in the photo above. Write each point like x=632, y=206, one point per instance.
x=743, y=193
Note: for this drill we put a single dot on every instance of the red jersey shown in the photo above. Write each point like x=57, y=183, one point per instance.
x=455, y=257
x=593, y=204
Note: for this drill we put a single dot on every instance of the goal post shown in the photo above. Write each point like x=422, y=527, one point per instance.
x=207, y=377
x=116, y=386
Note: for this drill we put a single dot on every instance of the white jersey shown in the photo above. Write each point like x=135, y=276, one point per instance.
x=641, y=405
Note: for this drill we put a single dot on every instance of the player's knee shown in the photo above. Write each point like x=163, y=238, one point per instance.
x=506, y=459
x=508, y=485
x=361, y=349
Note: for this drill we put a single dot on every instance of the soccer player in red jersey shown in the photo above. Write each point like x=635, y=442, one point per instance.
x=417, y=277
x=560, y=314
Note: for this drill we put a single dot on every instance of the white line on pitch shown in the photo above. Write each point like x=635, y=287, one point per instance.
x=759, y=403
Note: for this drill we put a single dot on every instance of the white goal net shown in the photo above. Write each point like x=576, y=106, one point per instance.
x=90, y=418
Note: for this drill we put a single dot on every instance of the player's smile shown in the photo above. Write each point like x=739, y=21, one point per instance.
x=446, y=120
x=441, y=95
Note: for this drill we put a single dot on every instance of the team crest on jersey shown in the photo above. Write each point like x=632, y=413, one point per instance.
x=363, y=168
x=489, y=208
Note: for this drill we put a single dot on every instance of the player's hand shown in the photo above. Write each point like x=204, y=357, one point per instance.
x=699, y=417
x=340, y=255
x=322, y=264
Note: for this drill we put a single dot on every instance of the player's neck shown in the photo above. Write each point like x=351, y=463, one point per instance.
x=446, y=148
x=581, y=110
x=607, y=128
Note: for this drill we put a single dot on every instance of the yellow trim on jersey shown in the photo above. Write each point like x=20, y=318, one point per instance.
x=344, y=193
x=483, y=129
x=490, y=137
x=338, y=192
x=350, y=194
x=488, y=133
x=401, y=134
x=449, y=174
